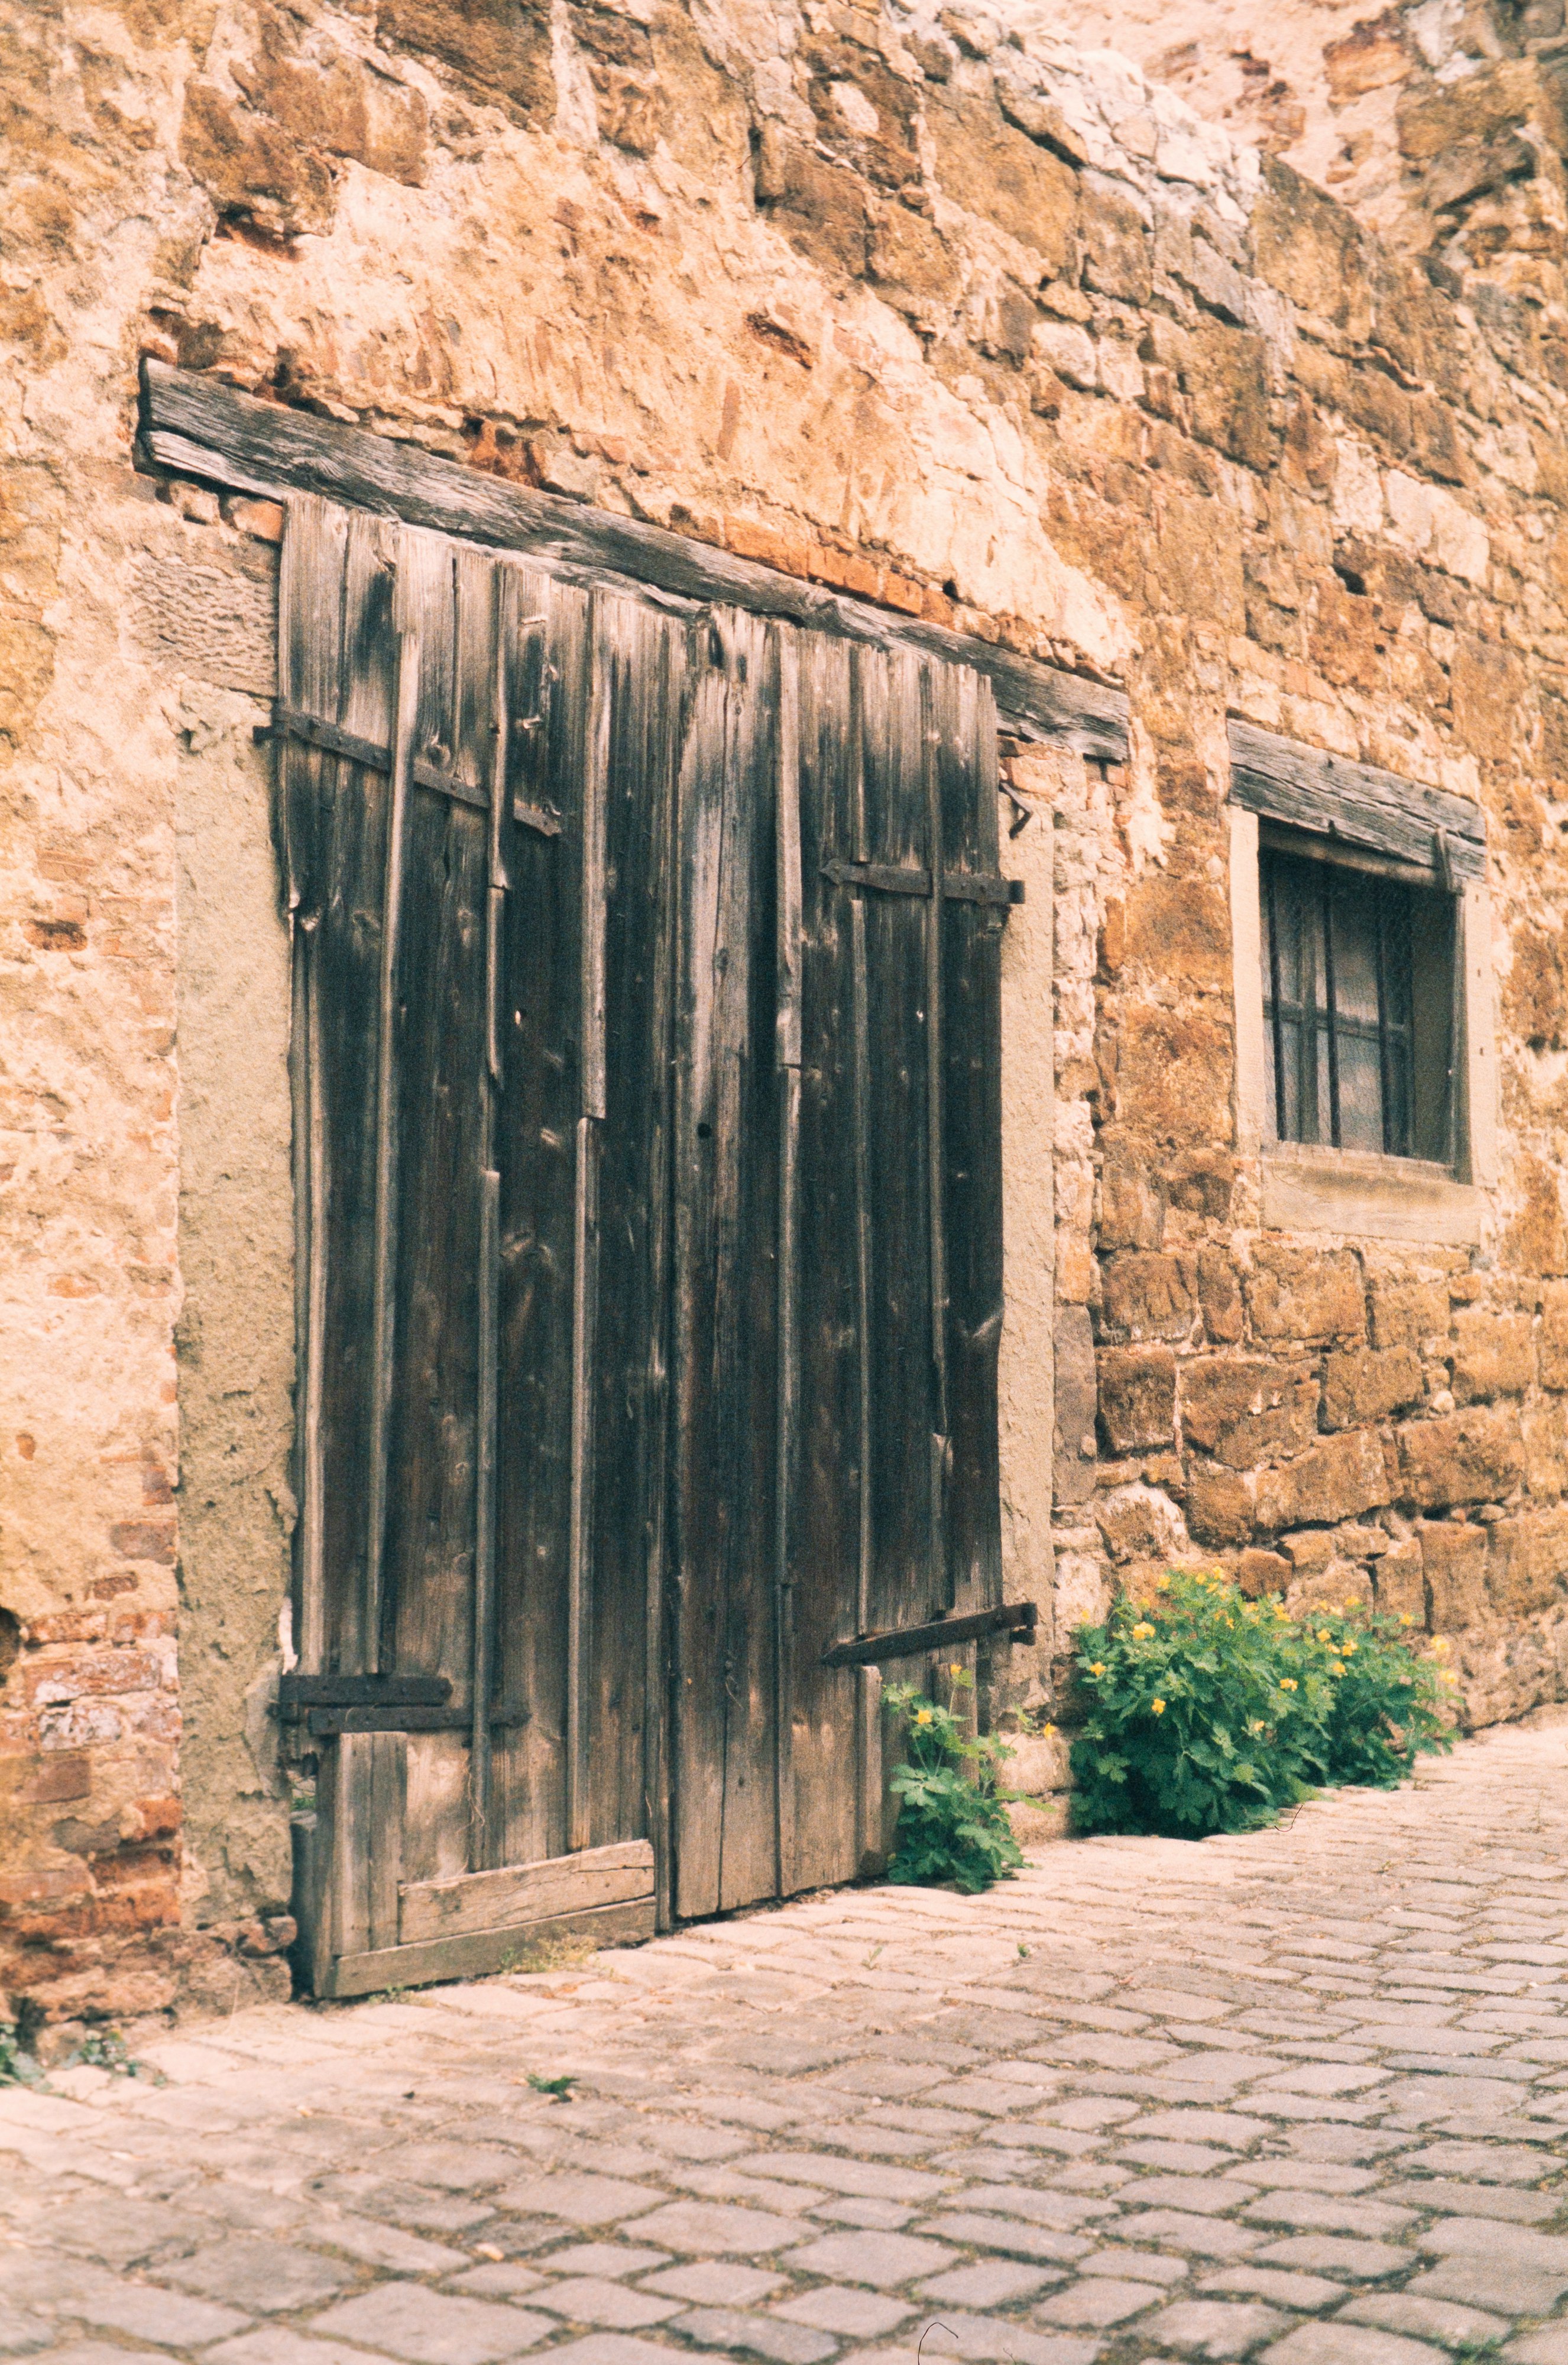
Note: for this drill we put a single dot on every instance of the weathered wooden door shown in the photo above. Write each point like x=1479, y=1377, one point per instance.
x=647, y=1162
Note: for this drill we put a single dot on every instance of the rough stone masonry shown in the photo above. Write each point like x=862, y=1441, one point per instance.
x=951, y=316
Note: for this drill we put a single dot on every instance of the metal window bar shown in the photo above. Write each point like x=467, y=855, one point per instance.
x=1296, y=894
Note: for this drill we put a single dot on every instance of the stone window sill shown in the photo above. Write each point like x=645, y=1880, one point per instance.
x=1309, y=1189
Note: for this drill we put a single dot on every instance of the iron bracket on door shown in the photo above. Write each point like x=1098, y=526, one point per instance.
x=1017, y=1618
x=911, y=878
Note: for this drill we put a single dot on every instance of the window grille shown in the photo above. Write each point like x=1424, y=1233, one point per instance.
x=1358, y=1004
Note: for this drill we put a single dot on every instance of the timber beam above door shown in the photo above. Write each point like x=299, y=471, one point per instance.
x=197, y=427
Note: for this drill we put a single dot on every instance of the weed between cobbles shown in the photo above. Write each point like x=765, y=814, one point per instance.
x=1209, y=1713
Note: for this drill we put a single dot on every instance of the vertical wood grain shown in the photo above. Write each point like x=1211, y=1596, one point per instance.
x=385, y=1216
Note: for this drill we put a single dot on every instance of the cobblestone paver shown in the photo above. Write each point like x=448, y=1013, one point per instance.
x=1302, y=2096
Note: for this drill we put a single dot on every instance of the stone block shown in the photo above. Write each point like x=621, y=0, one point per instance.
x=498, y=49
x=1405, y=1313
x=263, y=2278
x=1241, y=1409
x=1305, y=1293
x=1219, y=1294
x=715, y=2228
x=1311, y=249
x=1475, y=1456
x=1527, y=1563
x=1494, y=1354
x=1537, y=1240
x=1173, y=1074
x=1312, y=1550
x=1212, y=2327
x=1203, y=1182
x=1180, y=926
x=756, y=2336
x=1552, y=1344
x=1137, y=1396
x=1332, y=1587
x=821, y=207
x=1115, y=241
x=1258, y=1573
x=1220, y=1504
x=341, y=108
x=990, y=168
x=912, y=263
x=1093, y=2302
x=253, y=170
x=1076, y=1387
x=1336, y=1480
x=1453, y=1559
x=1148, y=1296
x=1365, y=1384
x=880, y=2259
x=1132, y=1213
x=1544, y=1428
x=1228, y=384
x=1399, y=1584
x=1344, y=2343
x=1140, y=1523
x=1038, y=1762
x=427, y=2328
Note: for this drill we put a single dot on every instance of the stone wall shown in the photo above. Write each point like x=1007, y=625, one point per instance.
x=983, y=330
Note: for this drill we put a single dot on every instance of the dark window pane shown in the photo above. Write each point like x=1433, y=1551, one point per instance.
x=1356, y=1057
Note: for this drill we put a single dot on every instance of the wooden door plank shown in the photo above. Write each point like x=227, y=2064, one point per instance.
x=310, y=619
x=345, y=984
x=900, y=1014
x=787, y=1344
x=827, y=1548
x=699, y=1678
x=428, y=1619
x=971, y=1149
x=486, y=1951
x=494, y=726
x=368, y=1774
x=538, y=1116
x=639, y=655
x=934, y=1144
x=407, y=625
x=525, y=1892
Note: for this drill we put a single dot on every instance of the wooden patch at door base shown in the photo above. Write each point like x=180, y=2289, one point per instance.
x=473, y=1901
x=482, y=1952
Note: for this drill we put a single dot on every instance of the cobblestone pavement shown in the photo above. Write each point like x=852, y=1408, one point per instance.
x=1301, y=2095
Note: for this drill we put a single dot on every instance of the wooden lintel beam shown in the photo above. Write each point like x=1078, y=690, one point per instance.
x=195, y=426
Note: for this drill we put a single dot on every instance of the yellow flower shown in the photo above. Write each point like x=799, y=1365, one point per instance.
x=1441, y=1646
x=1142, y=1630
x=1158, y=1706
x=1406, y=1618
x=1345, y=1649
x=922, y=1716
x=1098, y=1668
x=1287, y=1683
x=954, y=1669
x=1447, y=1675
x=1048, y=1728
x=1324, y=1635
x=1163, y=1585
x=1336, y=1669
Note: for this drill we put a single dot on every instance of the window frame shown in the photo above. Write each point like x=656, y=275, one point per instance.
x=1309, y=1186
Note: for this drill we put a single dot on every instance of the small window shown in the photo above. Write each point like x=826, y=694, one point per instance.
x=1358, y=1006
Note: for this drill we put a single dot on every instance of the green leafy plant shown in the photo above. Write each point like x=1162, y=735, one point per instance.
x=105, y=2048
x=558, y=2088
x=18, y=2066
x=952, y=1824
x=1209, y=1713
